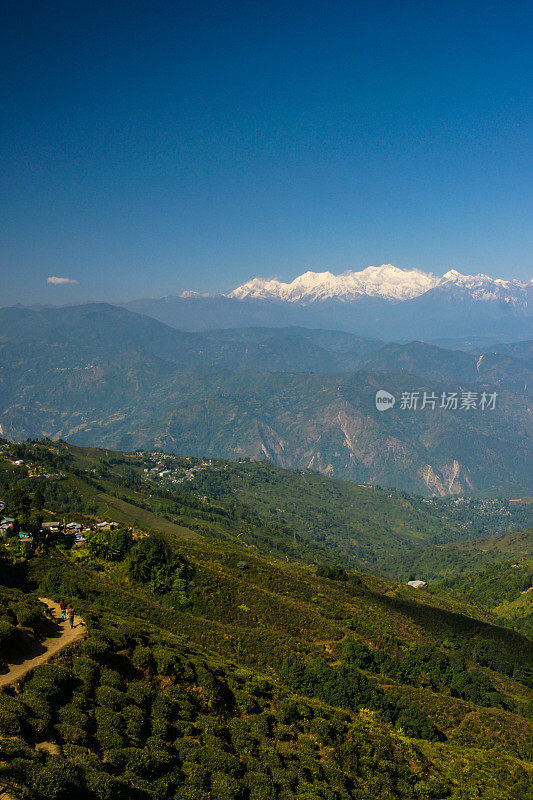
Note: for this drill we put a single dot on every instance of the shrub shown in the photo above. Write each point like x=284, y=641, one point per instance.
x=261, y=726
x=140, y=692
x=28, y=616
x=332, y=573
x=197, y=775
x=96, y=648
x=86, y=670
x=414, y=722
x=245, y=702
x=164, y=659
x=110, y=677
x=287, y=712
x=216, y=759
x=240, y=735
x=135, y=722
x=49, y=681
x=147, y=764
x=71, y=714
x=7, y=629
x=103, y=786
x=109, y=727
x=39, y=714
x=108, y=697
x=260, y=786
x=74, y=734
x=324, y=730
x=9, y=723
x=142, y=657
x=226, y=787
x=56, y=779
x=357, y=654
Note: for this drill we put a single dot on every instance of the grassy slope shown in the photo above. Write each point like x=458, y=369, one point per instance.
x=257, y=614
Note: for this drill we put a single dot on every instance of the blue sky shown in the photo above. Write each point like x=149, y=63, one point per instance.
x=152, y=147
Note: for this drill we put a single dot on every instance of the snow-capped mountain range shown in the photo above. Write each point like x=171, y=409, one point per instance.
x=387, y=282
x=383, y=302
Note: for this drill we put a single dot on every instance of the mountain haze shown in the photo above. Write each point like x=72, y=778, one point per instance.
x=99, y=374
x=378, y=302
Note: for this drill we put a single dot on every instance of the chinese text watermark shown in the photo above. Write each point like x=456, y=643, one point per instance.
x=450, y=401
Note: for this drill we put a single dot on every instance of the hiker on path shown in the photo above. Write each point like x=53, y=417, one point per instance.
x=70, y=614
x=63, y=607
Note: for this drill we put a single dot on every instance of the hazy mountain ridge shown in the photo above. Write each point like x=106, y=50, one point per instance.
x=102, y=375
x=378, y=302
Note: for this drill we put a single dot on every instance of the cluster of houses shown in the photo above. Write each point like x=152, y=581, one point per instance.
x=74, y=532
x=161, y=470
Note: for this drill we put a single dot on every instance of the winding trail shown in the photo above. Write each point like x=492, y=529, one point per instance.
x=48, y=647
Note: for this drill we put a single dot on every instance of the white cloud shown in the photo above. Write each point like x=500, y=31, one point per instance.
x=60, y=281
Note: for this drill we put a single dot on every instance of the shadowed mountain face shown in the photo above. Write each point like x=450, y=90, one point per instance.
x=98, y=374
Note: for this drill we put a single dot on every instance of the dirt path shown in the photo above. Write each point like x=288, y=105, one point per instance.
x=65, y=636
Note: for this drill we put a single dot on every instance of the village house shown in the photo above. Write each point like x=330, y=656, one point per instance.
x=417, y=584
x=51, y=527
x=6, y=526
x=73, y=527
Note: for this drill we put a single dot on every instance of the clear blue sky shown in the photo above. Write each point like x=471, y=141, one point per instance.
x=149, y=147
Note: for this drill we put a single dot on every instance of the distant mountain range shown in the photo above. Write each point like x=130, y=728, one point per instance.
x=101, y=375
x=388, y=282
x=384, y=302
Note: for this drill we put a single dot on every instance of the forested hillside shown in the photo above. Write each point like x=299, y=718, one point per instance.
x=455, y=558
x=504, y=588
x=220, y=665
x=298, y=513
x=375, y=525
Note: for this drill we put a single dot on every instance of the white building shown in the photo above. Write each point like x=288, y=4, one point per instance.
x=417, y=584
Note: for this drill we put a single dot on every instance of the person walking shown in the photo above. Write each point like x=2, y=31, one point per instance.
x=70, y=614
x=63, y=607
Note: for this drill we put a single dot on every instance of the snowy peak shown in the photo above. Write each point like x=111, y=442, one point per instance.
x=394, y=283
x=189, y=294
x=482, y=287
x=387, y=282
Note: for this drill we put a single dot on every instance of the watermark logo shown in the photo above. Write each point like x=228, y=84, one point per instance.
x=450, y=401
x=384, y=400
